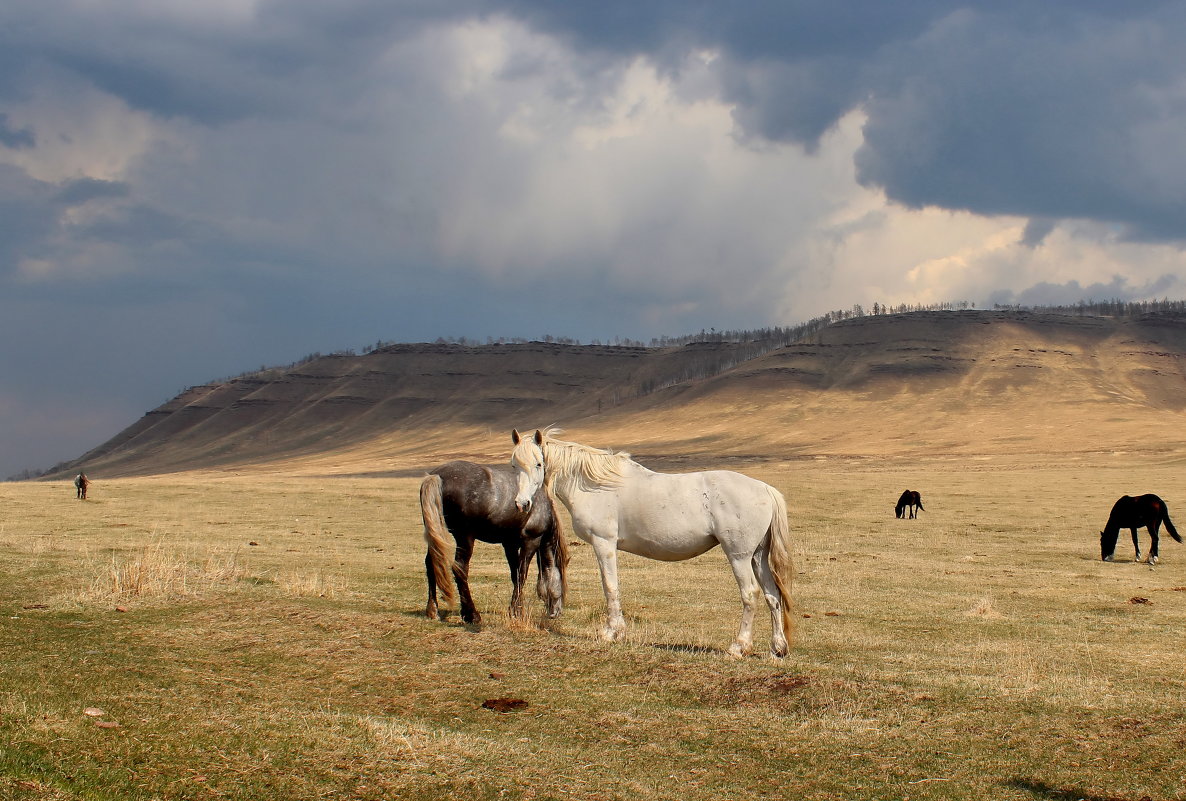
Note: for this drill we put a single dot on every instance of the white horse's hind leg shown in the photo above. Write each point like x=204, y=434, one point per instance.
x=607, y=561
x=747, y=583
x=778, y=641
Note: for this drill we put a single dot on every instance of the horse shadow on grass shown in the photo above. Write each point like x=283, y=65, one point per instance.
x=452, y=620
x=685, y=648
x=1042, y=790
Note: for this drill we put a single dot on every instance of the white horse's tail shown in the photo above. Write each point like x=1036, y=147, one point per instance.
x=435, y=535
x=781, y=565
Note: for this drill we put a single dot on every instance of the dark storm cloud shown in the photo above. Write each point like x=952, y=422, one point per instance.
x=81, y=190
x=28, y=216
x=205, y=63
x=1054, y=109
x=792, y=69
x=1015, y=113
x=1036, y=231
x=1070, y=293
x=15, y=138
x=33, y=213
x=755, y=30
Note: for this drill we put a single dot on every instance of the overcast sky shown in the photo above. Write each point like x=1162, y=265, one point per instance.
x=193, y=189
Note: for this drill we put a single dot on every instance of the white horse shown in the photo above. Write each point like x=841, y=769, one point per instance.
x=616, y=503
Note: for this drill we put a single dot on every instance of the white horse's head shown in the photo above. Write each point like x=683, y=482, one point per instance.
x=528, y=460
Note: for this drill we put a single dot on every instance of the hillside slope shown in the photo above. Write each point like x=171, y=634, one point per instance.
x=970, y=382
x=939, y=383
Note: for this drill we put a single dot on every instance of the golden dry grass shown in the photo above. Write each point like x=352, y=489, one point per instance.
x=272, y=645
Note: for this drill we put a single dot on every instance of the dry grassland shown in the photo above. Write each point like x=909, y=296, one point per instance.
x=261, y=636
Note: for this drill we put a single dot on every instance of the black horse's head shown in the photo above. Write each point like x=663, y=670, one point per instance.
x=1108, y=544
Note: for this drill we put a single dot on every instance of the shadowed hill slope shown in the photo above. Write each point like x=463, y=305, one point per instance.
x=334, y=402
x=965, y=382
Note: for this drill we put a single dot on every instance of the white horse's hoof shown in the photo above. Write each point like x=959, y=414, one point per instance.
x=736, y=651
x=612, y=635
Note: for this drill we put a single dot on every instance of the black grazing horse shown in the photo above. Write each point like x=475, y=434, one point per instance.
x=477, y=502
x=1146, y=511
x=81, y=482
x=911, y=499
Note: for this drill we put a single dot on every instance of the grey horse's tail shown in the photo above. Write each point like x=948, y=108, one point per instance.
x=436, y=535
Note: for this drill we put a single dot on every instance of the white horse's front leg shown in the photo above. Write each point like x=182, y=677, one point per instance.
x=606, y=551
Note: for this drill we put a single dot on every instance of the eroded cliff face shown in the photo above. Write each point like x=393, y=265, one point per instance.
x=875, y=384
x=935, y=383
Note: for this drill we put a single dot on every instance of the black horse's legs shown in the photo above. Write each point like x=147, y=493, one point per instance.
x=465, y=550
x=1154, y=529
x=430, y=611
x=1136, y=546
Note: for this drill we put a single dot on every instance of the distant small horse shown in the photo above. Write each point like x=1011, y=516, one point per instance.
x=81, y=482
x=1146, y=511
x=909, y=499
x=477, y=502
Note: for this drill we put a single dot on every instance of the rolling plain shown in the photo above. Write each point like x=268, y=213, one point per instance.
x=237, y=609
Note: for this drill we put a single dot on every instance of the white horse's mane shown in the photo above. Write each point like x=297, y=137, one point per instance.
x=592, y=466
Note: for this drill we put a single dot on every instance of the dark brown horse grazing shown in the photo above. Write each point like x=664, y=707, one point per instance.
x=1144, y=511
x=81, y=482
x=477, y=502
x=909, y=499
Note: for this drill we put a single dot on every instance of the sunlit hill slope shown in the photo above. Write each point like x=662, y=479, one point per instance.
x=961, y=383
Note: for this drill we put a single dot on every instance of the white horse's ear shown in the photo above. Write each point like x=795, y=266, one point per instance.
x=515, y=435
x=539, y=437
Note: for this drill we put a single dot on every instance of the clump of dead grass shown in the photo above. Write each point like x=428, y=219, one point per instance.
x=527, y=623
x=310, y=585
x=32, y=544
x=157, y=571
x=985, y=609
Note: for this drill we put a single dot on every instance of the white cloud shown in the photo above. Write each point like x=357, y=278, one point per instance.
x=80, y=132
x=645, y=183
